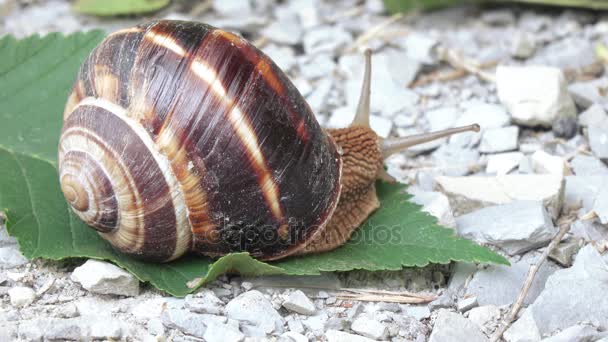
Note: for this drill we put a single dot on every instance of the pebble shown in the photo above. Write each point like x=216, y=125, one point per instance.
x=486, y=115
x=369, y=328
x=21, y=296
x=517, y=227
x=228, y=8
x=484, y=315
x=291, y=336
x=204, y=301
x=421, y=47
x=498, y=17
x=587, y=93
x=286, y=30
x=340, y=336
x=466, y=304
x=105, y=278
x=565, y=127
x=329, y=39
x=588, y=166
x=592, y=116
x=564, y=252
x=502, y=163
x=188, y=322
x=298, y=302
x=502, y=139
x=598, y=139
x=454, y=160
x=470, y=193
x=451, y=326
x=419, y=312
x=522, y=45
x=581, y=191
x=600, y=206
x=434, y=203
x=589, y=276
x=524, y=329
x=254, y=308
x=543, y=163
x=534, y=95
x=284, y=57
x=216, y=332
x=579, y=332
x=11, y=257
x=500, y=285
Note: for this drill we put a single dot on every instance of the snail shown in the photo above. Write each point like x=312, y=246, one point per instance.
x=180, y=137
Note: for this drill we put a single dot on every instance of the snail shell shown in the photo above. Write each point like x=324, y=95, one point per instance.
x=182, y=137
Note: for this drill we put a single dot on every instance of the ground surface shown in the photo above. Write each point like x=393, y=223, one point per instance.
x=535, y=166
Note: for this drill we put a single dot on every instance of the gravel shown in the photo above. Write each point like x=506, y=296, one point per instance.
x=541, y=155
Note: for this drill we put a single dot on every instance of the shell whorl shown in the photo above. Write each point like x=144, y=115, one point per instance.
x=178, y=136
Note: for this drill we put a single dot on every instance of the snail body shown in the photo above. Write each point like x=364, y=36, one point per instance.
x=182, y=137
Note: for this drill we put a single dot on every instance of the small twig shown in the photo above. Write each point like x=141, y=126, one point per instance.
x=458, y=61
x=442, y=76
x=373, y=32
x=565, y=227
x=403, y=297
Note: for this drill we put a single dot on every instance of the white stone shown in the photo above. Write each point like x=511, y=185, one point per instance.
x=222, y=333
x=11, y=257
x=326, y=39
x=188, y=322
x=522, y=45
x=476, y=192
x=534, y=95
x=501, y=139
x=419, y=312
x=340, y=336
x=204, y=301
x=593, y=115
x=438, y=119
x=316, y=323
x=483, y=315
x=576, y=333
x=382, y=126
x=318, y=97
x=588, y=166
x=588, y=93
x=284, y=57
x=421, y=47
x=454, y=160
x=466, y=304
x=589, y=277
x=291, y=336
x=299, y=302
x=21, y=296
x=317, y=66
x=503, y=163
x=434, y=203
x=368, y=327
x=229, y=8
x=581, y=191
x=543, y=163
x=286, y=30
x=500, y=285
x=515, y=227
x=600, y=206
x=486, y=115
x=253, y=307
x=524, y=329
x=598, y=139
x=451, y=327
x=105, y=278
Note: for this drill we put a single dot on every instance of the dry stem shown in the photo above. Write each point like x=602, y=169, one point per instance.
x=565, y=227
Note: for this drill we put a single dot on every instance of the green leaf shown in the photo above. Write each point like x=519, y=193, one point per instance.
x=118, y=7
x=36, y=76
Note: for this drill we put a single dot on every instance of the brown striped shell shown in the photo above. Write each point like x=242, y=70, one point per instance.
x=182, y=137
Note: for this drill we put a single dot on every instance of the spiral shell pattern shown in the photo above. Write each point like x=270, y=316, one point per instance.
x=181, y=137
